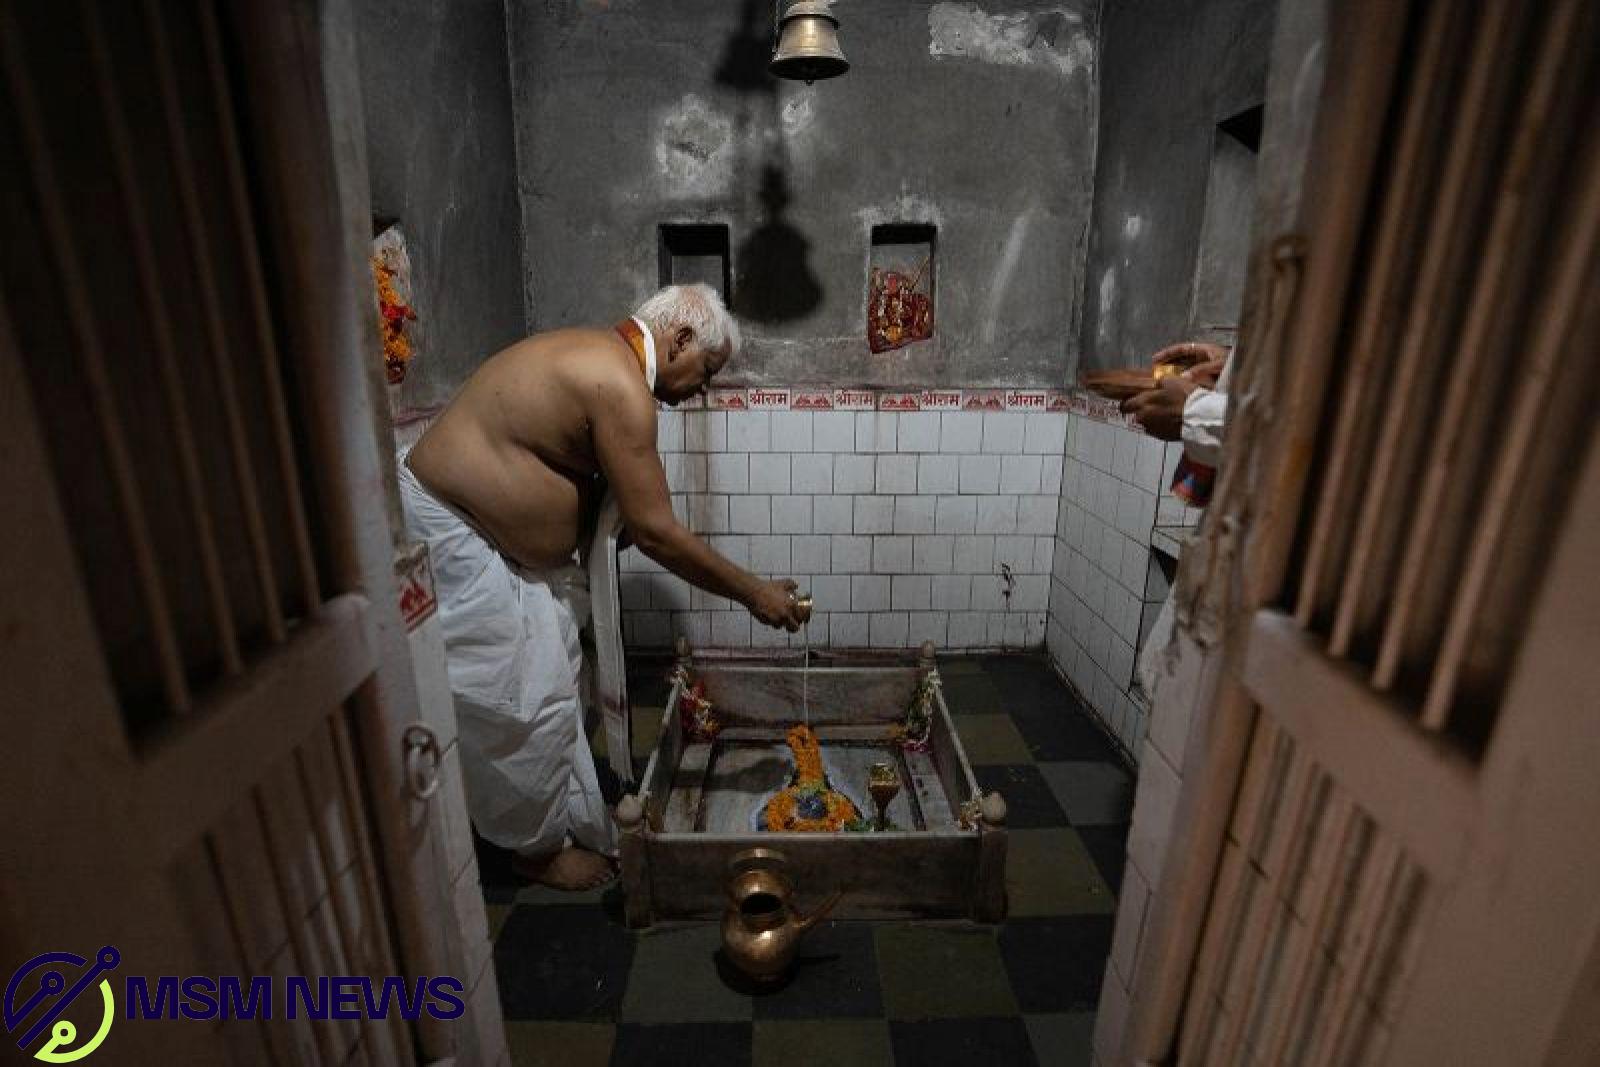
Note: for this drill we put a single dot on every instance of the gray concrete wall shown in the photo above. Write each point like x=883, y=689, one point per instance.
x=1170, y=71
x=980, y=120
x=436, y=92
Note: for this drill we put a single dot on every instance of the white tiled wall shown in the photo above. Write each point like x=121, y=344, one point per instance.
x=482, y=1034
x=904, y=526
x=1104, y=585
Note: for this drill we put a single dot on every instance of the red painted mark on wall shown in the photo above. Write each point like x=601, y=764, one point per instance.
x=414, y=575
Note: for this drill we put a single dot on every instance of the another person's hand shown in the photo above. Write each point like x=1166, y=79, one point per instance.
x=1206, y=374
x=1190, y=356
x=1159, y=411
x=776, y=604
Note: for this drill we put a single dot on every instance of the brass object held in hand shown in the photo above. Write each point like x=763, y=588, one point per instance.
x=802, y=606
x=883, y=782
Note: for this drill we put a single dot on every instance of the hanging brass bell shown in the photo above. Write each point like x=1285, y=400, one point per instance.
x=808, y=43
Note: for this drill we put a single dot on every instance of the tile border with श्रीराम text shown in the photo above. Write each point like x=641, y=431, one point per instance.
x=1020, y=401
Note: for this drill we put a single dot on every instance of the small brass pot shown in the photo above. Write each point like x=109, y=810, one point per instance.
x=761, y=929
x=802, y=607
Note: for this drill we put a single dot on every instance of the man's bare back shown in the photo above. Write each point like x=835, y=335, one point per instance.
x=514, y=451
x=522, y=450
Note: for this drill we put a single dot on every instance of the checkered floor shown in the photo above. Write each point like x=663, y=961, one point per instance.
x=579, y=988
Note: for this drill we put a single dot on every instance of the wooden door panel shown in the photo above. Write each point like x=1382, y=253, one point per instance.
x=1394, y=678
x=206, y=603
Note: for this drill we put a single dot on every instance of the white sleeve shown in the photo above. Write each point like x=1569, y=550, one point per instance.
x=1204, y=415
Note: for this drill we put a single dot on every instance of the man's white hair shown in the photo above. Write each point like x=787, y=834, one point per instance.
x=696, y=306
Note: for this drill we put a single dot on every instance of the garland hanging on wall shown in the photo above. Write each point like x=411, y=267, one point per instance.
x=393, y=314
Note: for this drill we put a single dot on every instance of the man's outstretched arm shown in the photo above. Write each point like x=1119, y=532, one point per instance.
x=625, y=443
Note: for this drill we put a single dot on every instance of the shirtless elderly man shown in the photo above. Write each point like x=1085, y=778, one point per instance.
x=503, y=488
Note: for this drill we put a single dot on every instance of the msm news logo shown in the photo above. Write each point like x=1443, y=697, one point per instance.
x=38, y=996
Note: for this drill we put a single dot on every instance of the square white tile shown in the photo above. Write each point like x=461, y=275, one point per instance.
x=875, y=431
x=1037, y=514
x=730, y=629
x=960, y=431
x=848, y=630
x=769, y=472
x=791, y=431
x=967, y=629
x=938, y=474
x=1050, y=473
x=997, y=514
x=896, y=474
x=927, y=626
x=874, y=514
x=869, y=592
x=769, y=555
x=1045, y=433
x=980, y=474
x=853, y=474
x=1021, y=474
x=911, y=592
x=891, y=555
x=750, y=514
x=728, y=472
x=956, y=514
x=813, y=553
x=791, y=514
x=888, y=630
x=852, y=554
x=1125, y=453
x=918, y=432
x=973, y=554
x=830, y=592
x=811, y=472
x=833, y=514
x=749, y=431
x=833, y=431
x=933, y=554
x=914, y=514
x=705, y=431
x=685, y=471
x=1014, y=551
x=1003, y=432
x=952, y=592
x=669, y=431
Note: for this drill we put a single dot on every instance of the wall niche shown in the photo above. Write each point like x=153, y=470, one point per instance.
x=901, y=285
x=695, y=252
x=1225, y=230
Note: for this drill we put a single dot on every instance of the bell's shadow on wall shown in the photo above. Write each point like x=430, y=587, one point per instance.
x=744, y=59
x=773, y=280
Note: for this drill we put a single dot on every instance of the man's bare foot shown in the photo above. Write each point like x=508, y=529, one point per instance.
x=572, y=868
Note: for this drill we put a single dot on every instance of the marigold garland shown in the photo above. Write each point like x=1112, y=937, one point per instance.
x=393, y=314
x=809, y=788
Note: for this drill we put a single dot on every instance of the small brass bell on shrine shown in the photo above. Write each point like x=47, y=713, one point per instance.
x=808, y=43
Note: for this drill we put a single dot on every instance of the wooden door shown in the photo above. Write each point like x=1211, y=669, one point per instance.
x=1390, y=832
x=206, y=676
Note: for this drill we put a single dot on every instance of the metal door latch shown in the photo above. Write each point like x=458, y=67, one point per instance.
x=423, y=756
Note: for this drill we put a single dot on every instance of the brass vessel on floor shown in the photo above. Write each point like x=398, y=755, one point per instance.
x=761, y=929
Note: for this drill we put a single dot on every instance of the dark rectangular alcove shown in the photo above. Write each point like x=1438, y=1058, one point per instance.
x=1225, y=228
x=695, y=252
x=905, y=246
x=906, y=249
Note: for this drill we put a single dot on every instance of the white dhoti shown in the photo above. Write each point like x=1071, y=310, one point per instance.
x=516, y=667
